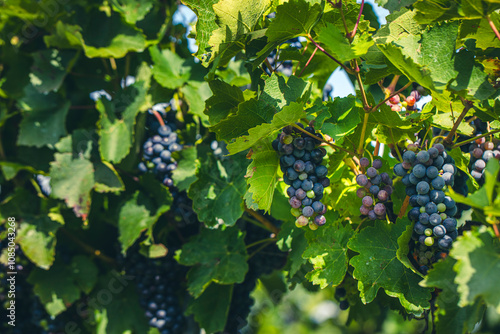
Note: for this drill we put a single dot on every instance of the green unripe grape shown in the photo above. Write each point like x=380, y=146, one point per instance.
x=311, y=194
x=428, y=232
x=422, y=209
x=296, y=212
x=301, y=221
x=424, y=260
x=443, y=216
x=429, y=241
x=302, y=176
x=313, y=226
x=441, y=207
x=288, y=139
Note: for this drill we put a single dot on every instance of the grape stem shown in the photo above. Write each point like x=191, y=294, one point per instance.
x=329, y=55
x=323, y=140
x=467, y=105
x=259, y=249
x=259, y=242
x=268, y=65
x=158, y=117
x=474, y=138
x=404, y=206
x=262, y=220
x=390, y=96
x=395, y=145
x=495, y=228
x=363, y=131
x=492, y=25
x=377, y=148
x=302, y=53
x=308, y=61
x=89, y=249
x=353, y=32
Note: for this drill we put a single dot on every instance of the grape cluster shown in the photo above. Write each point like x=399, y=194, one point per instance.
x=157, y=151
x=262, y=263
x=400, y=103
x=426, y=175
x=301, y=163
x=157, y=282
x=341, y=297
x=376, y=189
x=481, y=151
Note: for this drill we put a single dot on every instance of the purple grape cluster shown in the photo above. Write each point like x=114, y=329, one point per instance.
x=301, y=163
x=481, y=151
x=375, y=190
x=426, y=174
x=157, y=152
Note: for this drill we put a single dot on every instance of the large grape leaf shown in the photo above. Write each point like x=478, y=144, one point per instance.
x=117, y=119
x=289, y=115
x=116, y=306
x=291, y=238
x=334, y=41
x=451, y=318
x=442, y=10
x=107, y=178
x=205, y=24
x=327, y=252
x=262, y=175
x=235, y=19
x=377, y=266
x=44, y=120
x=223, y=102
x=218, y=193
x=478, y=267
x=217, y=299
x=142, y=210
x=481, y=31
x=169, y=69
x=72, y=179
x=185, y=174
x=392, y=5
x=61, y=285
x=132, y=10
x=216, y=256
x=50, y=68
x=344, y=117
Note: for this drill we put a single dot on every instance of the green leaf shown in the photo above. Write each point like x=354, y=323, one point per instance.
x=478, y=265
x=117, y=309
x=289, y=115
x=293, y=18
x=72, y=179
x=481, y=31
x=451, y=318
x=107, y=178
x=335, y=42
x=50, y=68
x=60, y=286
x=44, y=118
x=262, y=175
x=10, y=169
x=393, y=6
x=327, y=252
x=138, y=214
x=224, y=101
x=291, y=238
x=218, y=193
x=196, y=93
x=344, y=117
x=185, y=174
x=132, y=10
x=377, y=266
x=206, y=23
x=429, y=11
x=37, y=237
x=169, y=69
x=217, y=299
x=216, y=256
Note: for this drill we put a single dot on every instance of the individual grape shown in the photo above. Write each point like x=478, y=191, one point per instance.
x=435, y=219
x=441, y=207
x=287, y=139
x=317, y=206
x=399, y=170
x=361, y=192
x=439, y=147
x=433, y=152
x=437, y=196
x=409, y=156
x=419, y=170
x=295, y=202
x=291, y=174
x=376, y=180
x=423, y=218
x=428, y=232
x=300, y=193
x=487, y=155
x=431, y=208
x=429, y=241
x=450, y=224
x=296, y=183
x=379, y=209
x=164, y=130
x=321, y=171
x=309, y=143
x=410, y=191
x=372, y=215
x=438, y=183
x=302, y=221
x=386, y=178
x=449, y=202
x=406, y=165
x=377, y=163
x=290, y=191
x=422, y=200
x=451, y=212
x=476, y=175
x=320, y=220
x=422, y=187
x=299, y=143
x=419, y=228
x=361, y=180
x=406, y=180
x=307, y=201
x=413, y=179
x=438, y=162
x=367, y=201
x=296, y=212
x=414, y=200
x=364, y=210
x=388, y=190
x=477, y=153
x=383, y=195
x=374, y=189
x=364, y=162
x=311, y=194
x=423, y=156
x=166, y=155
x=432, y=172
x=298, y=153
x=449, y=168
x=325, y=182
x=142, y=167
x=318, y=189
x=307, y=185
x=308, y=211
x=344, y=305
x=309, y=167
x=303, y=176
x=414, y=214
x=489, y=146
x=371, y=172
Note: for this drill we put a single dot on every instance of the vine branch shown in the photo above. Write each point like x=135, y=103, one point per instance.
x=323, y=140
x=308, y=61
x=474, y=138
x=263, y=220
x=363, y=131
x=467, y=105
x=492, y=25
x=353, y=32
x=329, y=55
